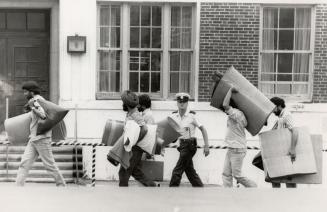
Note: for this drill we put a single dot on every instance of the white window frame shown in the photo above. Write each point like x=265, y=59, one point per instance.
x=290, y=97
x=165, y=49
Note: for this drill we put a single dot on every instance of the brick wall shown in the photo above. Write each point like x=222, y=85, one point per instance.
x=229, y=35
x=320, y=56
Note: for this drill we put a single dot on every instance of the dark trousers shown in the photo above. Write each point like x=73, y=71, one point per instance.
x=134, y=170
x=187, y=150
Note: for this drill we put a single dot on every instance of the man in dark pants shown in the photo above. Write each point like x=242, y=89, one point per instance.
x=187, y=123
x=130, y=103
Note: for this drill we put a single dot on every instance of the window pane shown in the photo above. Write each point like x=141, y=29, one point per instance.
x=133, y=81
x=284, y=77
x=114, y=81
x=134, y=61
x=134, y=16
x=285, y=63
x=185, y=82
x=155, y=82
x=186, y=38
x=301, y=63
x=269, y=39
x=145, y=82
x=156, y=16
x=286, y=18
x=268, y=77
x=186, y=61
x=145, y=16
x=115, y=37
x=16, y=20
x=145, y=61
x=270, y=18
x=155, y=61
x=115, y=16
x=2, y=20
x=145, y=38
x=187, y=16
x=268, y=62
x=175, y=16
x=268, y=88
x=134, y=38
x=300, y=89
x=104, y=81
x=302, y=39
x=104, y=37
x=36, y=21
x=301, y=77
x=104, y=16
x=156, y=38
x=303, y=18
x=283, y=88
x=174, y=82
x=286, y=39
x=175, y=37
x=174, y=61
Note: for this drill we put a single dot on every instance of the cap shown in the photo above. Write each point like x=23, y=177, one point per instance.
x=182, y=97
x=130, y=99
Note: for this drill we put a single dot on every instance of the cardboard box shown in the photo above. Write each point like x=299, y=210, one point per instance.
x=275, y=145
x=307, y=178
x=254, y=104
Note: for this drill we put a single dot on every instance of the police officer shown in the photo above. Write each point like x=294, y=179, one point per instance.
x=186, y=122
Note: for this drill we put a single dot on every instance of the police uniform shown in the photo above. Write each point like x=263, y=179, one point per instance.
x=187, y=145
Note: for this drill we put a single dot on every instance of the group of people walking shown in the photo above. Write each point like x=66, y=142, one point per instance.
x=138, y=109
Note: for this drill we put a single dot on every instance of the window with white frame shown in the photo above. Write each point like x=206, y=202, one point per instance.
x=286, y=52
x=146, y=48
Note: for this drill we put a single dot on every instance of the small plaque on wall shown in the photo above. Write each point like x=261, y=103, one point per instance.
x=76, y=44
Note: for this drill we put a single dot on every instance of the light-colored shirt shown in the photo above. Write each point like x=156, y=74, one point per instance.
x=186, y=123
x=35, y=120
x=236, y=123
x=285, y=120
x=148, y=117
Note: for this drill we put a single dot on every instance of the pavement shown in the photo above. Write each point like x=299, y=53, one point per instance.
x=107, y=196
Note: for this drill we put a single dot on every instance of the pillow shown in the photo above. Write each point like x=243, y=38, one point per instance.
x=18, y=129
x=59, y=131
x=54, y=115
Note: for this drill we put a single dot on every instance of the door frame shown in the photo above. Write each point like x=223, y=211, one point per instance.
x=53, y=6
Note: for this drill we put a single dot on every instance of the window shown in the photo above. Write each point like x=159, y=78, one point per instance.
x=286, y=52
x=146, y=48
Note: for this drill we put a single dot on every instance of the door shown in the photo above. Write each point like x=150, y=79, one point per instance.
x=24, y=48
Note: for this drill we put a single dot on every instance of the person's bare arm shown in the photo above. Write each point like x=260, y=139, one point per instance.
x=206, y=150
x=292, y=152
x=37, y=109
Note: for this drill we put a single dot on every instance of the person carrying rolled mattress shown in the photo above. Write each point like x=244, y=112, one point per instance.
x=130, y=103
x=38, y=145
x=285, y=120
x=236, y=143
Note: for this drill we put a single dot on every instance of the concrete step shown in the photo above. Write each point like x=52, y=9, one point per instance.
x=37, y=180
x=55, y=150
x=40, y=166
x=58, y=158
x=39, y=173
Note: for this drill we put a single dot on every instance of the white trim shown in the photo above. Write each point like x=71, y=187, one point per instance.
x=227, y=1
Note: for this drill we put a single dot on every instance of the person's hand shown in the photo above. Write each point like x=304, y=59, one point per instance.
x=162, y=152
x=206, y=150
x=292, y=154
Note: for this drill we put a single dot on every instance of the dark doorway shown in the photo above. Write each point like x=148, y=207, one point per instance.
x=24, y=56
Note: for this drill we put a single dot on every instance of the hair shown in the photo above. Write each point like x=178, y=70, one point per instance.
x=145, y=100
x=278, y=101
x=32, y=86
x=130, y=99
x=232, y=104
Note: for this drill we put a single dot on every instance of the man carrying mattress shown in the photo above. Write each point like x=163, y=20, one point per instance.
x=38, y=145
x=130, y=103
x=285, y=120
